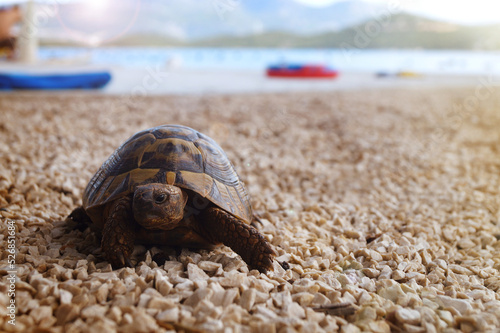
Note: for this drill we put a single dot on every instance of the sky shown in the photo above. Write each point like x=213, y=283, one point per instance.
x=465, y=12
x=457, y=11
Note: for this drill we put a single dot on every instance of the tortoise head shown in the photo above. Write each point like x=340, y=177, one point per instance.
x=159, y=206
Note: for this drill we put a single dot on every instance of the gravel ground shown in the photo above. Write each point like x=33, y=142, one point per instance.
x=386, y=200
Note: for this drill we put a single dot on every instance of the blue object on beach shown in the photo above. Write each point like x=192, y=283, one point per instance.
x=285, y=66
x=91, y=80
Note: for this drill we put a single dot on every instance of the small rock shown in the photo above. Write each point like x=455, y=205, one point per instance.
x=403, y=250
x=141, y=283
x=102, y=325
x=370, y=272
x=141, y=322
x=115, y=314
x=210, y=266
x=465, y=243
x=81, y=263
x=461, y=305
x=169, y=316
x=124, y=300
x=392, y=292
x=398, y=275
x=65, y=296
x=307, y=285
x=261, y=297
x=56, y=270
x=152, y=292
x=294, y=310
x=263, y=285
x=430, y=304
x=229, y=296
x=379, y=327
x=319, y=300
x=187, y=286
x=163, y=286
x=449, y=235
x=143, y=300
x=385, y=273
x=352, y=234
x=247, y=299
x=105, y=277
x=408, y=328
x=459, y=269
x=102, y=294
x=95, y=310
x=206, y=310
x=409, y=316
x=160, y=303
x=302, y=298
x=196, y=273
x=349, y=328
x=446, y=316
x=376, y=255
x=441, y=263
x=367, y=313
x=415, y=275
x=66, y=313
x=198, y=296
x=127, y=319
x=40, y=313
x=266, y=312
x=233, y=280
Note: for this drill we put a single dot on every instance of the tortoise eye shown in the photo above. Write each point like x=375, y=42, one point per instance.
x=160, y=198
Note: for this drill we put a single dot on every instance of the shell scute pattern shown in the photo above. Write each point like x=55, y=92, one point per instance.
x=198, y=162
x=172, y=154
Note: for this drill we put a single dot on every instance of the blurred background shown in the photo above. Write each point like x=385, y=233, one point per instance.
x=192, y=46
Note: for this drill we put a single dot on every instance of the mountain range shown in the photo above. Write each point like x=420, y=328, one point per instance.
x=270, y=23
x=188, y=20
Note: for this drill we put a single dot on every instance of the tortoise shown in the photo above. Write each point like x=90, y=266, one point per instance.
x=171, y=185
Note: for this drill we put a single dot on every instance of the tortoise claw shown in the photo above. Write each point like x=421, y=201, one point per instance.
x=128, y=262
x=119, y=260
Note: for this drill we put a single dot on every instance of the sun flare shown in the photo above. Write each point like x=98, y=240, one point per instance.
x=97, y=5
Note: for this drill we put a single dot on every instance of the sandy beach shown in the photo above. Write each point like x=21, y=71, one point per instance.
x=385, y=199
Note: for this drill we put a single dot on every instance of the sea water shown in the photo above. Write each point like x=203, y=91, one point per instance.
x=257, y=59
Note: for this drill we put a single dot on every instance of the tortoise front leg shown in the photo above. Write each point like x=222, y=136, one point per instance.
x=218, y=226
x=117, y=242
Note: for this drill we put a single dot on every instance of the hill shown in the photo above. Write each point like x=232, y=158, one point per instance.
x=401, y=31
x=276, y=23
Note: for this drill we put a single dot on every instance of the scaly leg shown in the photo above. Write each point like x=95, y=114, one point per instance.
x=117, y=242
x=218, y=226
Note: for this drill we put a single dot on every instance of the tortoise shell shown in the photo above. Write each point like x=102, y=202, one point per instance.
x=173, y=154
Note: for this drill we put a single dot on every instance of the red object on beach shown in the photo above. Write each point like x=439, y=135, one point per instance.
x=302, y=71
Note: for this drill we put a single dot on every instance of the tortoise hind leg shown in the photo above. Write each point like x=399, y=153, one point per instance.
x=117, y=242
x=218, y=226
